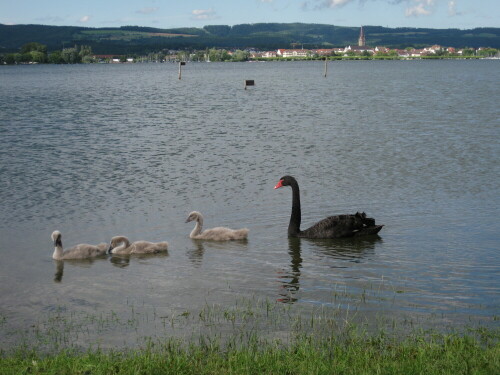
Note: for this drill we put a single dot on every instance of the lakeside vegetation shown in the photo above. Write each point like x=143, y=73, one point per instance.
x=249, y=337
x=36, y=53
x=351, y=354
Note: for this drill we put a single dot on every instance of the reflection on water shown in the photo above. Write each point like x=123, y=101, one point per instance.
x=290, y=281
x=123, y=260
x=349, y=249
x=83, y=263
x=195, y=254
x=59, y=270
x=119, y=260
x=343, y=249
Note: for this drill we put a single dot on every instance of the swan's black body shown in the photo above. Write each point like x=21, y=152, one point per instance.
x=332, y=227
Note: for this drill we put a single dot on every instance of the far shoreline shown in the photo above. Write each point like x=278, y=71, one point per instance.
x=267, y=60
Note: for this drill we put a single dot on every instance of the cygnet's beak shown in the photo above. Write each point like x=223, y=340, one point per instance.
x=109, y=249
x=188, y=220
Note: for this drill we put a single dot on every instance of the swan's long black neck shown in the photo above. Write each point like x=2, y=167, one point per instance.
x=295, y=218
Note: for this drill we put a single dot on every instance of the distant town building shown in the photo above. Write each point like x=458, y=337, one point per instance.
x=433, y=49
x=270, y=54
x=323, y=51
x=361, y=40
x=380, y=49
x=358, y=49
x=293, y=52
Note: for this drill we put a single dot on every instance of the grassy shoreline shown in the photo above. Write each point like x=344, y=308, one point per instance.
x=251, y=336
x=354, y=353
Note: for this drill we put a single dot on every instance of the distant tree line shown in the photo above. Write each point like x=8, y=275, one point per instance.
x=36, y=53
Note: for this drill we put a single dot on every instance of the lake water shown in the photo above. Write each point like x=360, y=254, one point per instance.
x=102, y=150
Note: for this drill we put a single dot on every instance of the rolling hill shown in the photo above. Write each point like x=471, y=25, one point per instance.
x=264, y=36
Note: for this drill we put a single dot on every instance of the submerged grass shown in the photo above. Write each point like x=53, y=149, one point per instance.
x=306, y=354
x=252, y=336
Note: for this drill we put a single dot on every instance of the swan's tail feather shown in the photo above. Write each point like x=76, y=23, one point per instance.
x=368, y=221
x=369, y=227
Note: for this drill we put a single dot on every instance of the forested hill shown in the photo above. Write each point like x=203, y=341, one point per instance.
x=264, y=36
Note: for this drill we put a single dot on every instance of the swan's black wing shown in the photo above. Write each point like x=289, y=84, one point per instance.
x=342, y=226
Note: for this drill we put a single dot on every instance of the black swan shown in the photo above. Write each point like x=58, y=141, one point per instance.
x=332, y=227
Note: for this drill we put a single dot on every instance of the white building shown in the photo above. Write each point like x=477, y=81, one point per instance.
x=293, y=52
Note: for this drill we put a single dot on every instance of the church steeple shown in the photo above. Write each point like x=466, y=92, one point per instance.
x=361, y=40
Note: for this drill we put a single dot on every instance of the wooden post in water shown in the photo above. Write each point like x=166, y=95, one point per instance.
x=326, y=65
x=249, y=82
x=181, y=63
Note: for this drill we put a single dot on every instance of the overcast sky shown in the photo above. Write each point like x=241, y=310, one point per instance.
x=463, y=14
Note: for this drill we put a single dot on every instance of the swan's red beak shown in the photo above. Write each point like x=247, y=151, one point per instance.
x=279, y=184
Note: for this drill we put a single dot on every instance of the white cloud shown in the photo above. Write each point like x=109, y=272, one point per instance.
x=414, y=8
x=322, y=4
x=203, y=14
x=148, y=10
x=335, y=3
x=84, y=19
x=452, y=11
x=420, y=8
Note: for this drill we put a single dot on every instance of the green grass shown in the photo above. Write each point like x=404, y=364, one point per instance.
x=352, y=354
x=250, y=336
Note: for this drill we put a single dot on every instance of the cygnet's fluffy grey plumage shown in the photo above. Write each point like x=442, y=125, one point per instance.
x=215, y=234
x=121, y=245
x=82, y=251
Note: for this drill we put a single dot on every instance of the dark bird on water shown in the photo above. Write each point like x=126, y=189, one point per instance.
x=339, y=226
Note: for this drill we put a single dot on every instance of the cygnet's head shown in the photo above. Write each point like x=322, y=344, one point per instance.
x=115, y=241
x=56, y=237
x=193, y=216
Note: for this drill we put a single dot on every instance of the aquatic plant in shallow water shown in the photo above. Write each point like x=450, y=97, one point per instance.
x=232, y=325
